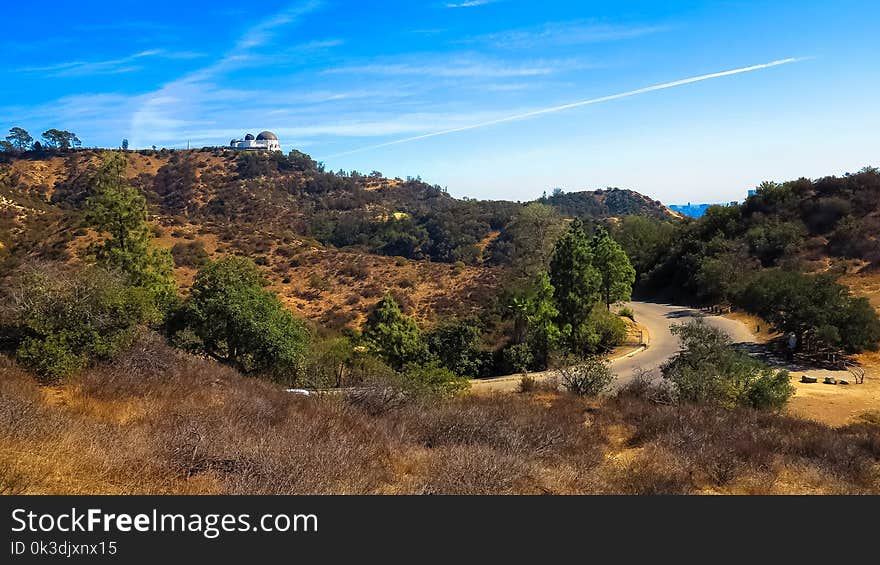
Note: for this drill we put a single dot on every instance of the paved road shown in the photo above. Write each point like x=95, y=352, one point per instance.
x=658, y=319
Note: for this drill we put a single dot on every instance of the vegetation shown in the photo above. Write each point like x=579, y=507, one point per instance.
x=238, y=323
x=586, y=377
x=584, y=272
x=764, y=255
x=708, y=370
x=201, y=428
x=119, y=344
x=61, y=321
x=817, y=310
x=616, y=274
x=393, y=336
x=120, y=210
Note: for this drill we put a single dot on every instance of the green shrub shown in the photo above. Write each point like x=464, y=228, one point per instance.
x=627, y=312
x=586, y=377
x=517, y=358
x=709, y=370
x=65, y=320
x=457, y=346
x=433, y=380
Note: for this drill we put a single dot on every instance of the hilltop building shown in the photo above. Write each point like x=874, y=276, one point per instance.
x=265, y=141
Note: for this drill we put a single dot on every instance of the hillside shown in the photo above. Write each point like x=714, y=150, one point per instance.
x=330, y=243
x=828, y=225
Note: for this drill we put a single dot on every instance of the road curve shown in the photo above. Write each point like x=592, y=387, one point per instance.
x=658, y=319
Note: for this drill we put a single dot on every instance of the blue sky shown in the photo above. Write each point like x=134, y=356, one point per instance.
x=338, y=78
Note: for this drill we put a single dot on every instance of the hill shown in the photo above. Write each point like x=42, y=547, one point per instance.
x=330, y=243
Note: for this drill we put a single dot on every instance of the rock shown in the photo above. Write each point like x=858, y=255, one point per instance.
x=842, y=382
x=806, y=379
x=830, y=381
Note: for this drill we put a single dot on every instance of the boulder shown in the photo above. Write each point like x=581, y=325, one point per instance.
x=806, y=379
x=830, y=381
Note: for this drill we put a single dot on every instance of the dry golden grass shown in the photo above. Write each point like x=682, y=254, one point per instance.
x=158, y=421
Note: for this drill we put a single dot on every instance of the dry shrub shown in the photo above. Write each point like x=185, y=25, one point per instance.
x=654, y=471
x=529, y=384
x=23, y=413
x=475, y=470
x=724, y=446
x=160, y=421
x=517, y=427
x=12, y=480
x=318, y=448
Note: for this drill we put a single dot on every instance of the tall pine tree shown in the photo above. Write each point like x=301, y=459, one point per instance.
x=576, y=282
x=616, y=272
x=120, y=210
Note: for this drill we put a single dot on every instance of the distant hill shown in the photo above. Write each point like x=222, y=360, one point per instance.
x=605, y=203
x=344, y=238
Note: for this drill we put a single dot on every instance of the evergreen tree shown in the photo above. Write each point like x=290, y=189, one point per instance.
x=534, y=319
x=616, y=272
x=392, y=335
x=120, y=210
x=20, y=138
x=576, y=283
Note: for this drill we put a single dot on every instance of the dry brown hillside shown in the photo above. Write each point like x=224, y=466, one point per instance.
x=330, y=243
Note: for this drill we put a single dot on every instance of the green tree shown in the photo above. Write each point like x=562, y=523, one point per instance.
x=20, y=138
x=534, y=315
x=576, y=283
x=121, y=210
x=644, y=240
x=616, y=272
x=393, y=336
x=457, y=346
x=816, y=308
x=60, y=139
x=239, y=323
x=707, y=369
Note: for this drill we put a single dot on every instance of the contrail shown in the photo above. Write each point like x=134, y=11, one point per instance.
x=554, y=109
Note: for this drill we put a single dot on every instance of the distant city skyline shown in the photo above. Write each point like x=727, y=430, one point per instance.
x=682, y=101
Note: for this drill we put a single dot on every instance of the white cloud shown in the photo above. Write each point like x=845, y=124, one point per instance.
x=458, y=67
x=108, y=67
x=157, y=120
x=566, y=33
x=470, y=3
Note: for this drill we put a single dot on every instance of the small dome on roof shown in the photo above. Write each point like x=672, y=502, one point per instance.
x=266, y=136
x=249, y=137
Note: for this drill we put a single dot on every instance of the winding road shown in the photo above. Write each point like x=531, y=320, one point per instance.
x=658, y=319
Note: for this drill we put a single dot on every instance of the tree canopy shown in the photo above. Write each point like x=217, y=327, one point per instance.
x=392, y=335
x=576, y=282
x=20, y=139
x=66, y=319
x=239, y=323
x=60, y=139
x=616, y=273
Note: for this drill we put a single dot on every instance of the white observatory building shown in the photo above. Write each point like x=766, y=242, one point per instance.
x=265, y=141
